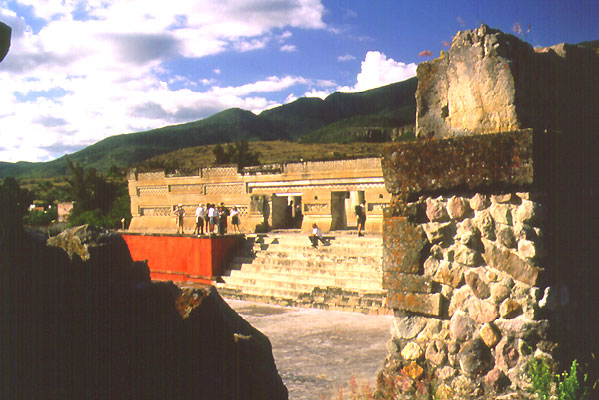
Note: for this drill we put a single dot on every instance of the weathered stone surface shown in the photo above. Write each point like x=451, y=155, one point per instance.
x=506, y=261
x=436, y=352
x=445, y=373
x=510, y=308
x=475, y=358
x=413, y=370
x=461, y=327
x=412, y=351
x=505, y=236
x=457, y=207
x=467, y=161
x=435, y=210
x=523, y=328
x=467, y=233
x=77, y=240
x=427, y=304
x=438, y=232
x=527, y=249
x=479, y=202
x=526, y=212
x=478, y=286
x=501, y=213
x=451, y=274
x=501, y=198
x=490, y=81
x=392, y=346
x=402, y=246
x=444, y=392
x=486, y=225
x=506, y=353
x=499, y=292
x=431, y=265
x=466, y=256
x=481, y=311
x=490, y=334
x=407, y=327
x=407, y=282
x=496, y=380
x=436, y=252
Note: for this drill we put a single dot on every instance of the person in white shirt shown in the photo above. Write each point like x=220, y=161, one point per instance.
x=213, y=216
x=316, y=235
x=200, y=214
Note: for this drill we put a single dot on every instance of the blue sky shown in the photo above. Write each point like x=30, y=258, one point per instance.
x=79, y=71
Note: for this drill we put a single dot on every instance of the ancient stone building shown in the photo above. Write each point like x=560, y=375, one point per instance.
x=488, y=240
x=266, y=196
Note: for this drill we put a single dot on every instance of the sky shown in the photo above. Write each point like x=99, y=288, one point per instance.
x=79, y=71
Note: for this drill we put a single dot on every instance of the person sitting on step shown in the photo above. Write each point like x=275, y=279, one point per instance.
x=316, y=235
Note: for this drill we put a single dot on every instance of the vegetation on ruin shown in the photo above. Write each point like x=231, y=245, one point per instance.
x=546, y=384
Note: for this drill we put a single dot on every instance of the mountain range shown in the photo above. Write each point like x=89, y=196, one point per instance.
x=338, y=118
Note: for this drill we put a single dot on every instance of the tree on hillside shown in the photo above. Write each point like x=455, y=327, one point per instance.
x=238, y=153
x=95, y=198
x=19, y=199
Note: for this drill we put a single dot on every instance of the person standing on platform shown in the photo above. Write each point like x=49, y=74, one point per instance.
x=235, y=219
x=212, y=217
x=179, y=214
x=200, y=214
x=360, y=212
x=222, y=219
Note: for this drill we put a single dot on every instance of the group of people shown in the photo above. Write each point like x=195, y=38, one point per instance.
x=210, y=219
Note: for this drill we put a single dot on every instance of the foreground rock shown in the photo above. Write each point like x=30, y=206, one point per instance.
x=101, y=329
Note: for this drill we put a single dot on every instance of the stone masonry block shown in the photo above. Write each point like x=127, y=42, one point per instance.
x=407, y=282
x=426, y=304
x=473, y=161
x=403, y=243
x=507, y=261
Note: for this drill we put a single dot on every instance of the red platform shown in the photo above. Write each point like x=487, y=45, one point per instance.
x=182, y=258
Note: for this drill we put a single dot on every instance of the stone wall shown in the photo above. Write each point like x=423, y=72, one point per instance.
x=484, y=262
x=490, y=81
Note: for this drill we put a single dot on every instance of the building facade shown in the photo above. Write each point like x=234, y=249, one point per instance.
x=274, y=196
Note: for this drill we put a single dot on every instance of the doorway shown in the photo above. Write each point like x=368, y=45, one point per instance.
x=338, y=215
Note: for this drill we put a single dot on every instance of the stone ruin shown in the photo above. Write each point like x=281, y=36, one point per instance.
x=490, y=81
x=488, y=241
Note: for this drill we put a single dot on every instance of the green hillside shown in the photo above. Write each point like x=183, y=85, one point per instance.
x=307, y=119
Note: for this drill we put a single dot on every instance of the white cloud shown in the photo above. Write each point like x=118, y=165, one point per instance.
x=109, y=60
x=378, y=70
x=346, y=57
x=317, y=93
x=288, y=48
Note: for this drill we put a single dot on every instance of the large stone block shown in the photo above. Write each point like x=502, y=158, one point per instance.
x=403, y=243
x=507, y=261
x=490, y=81
x=475, y=162
x=407, y=282
x=426, y=304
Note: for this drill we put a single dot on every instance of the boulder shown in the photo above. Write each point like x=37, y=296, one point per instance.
x=475, y=358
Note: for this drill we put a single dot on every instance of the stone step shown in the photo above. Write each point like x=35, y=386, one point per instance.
x=313, y=267
x=307, y=250
x=302, y=281
x=310, y=268
x=285, y=269
x=341, y=240
x=266, y=291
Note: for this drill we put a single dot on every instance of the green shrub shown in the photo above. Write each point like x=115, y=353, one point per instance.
x=569, y=385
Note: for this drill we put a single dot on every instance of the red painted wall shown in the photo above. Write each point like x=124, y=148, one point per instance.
x=182, y=258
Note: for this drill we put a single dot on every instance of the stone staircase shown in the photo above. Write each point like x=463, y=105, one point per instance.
x=282, y=268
